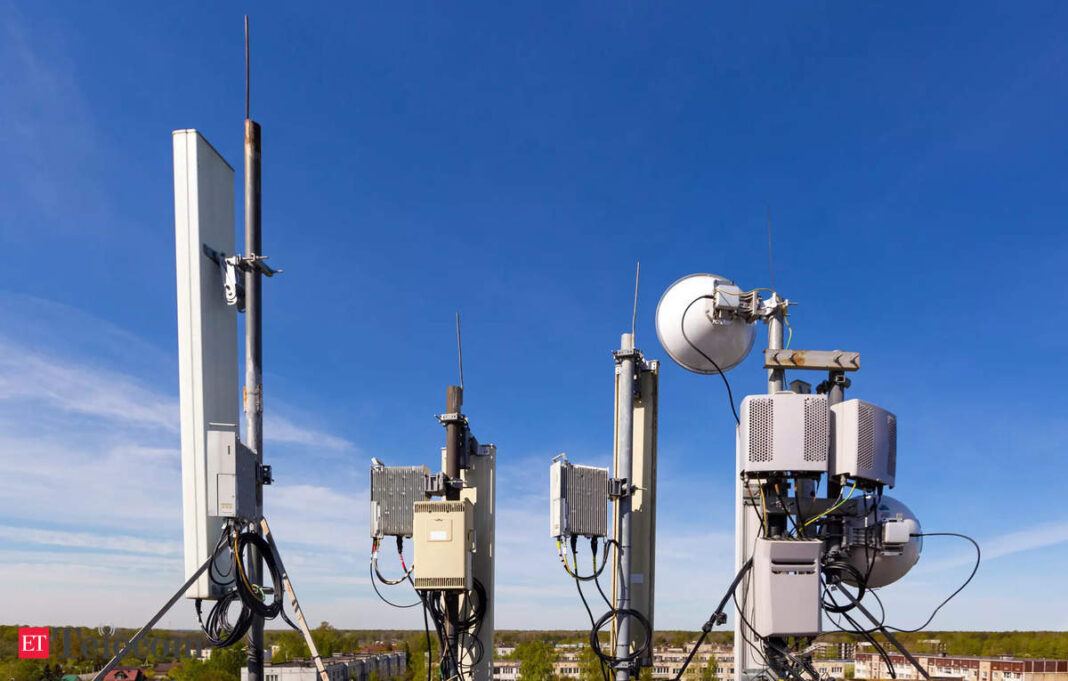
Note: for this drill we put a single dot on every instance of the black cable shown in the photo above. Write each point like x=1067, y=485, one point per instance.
x=251, y=599
x=858, y=629
x=614, y=661
x=229, y=574
x=717, y=617
x=682, y=326
x=593, y=546
x=605, y=598
x=384, y=599
x=978, y=559
x=747, y=625
x=861, y=583
x=426, y=625
x=585, y=604
x=218, y=630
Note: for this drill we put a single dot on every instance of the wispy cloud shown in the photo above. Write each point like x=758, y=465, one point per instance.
x=88, y=540
x=999, y=546
x=280, y=429
x=46, y=382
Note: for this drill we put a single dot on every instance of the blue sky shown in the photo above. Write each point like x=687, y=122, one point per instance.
x=513, y=162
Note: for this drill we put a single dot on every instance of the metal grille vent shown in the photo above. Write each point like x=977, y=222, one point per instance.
x=440, y=583
x=394, y=489
x=891, y=436
x=865, y=438
x=586, y=491
x=817, y=439
x=761, y=429
x=439, y=507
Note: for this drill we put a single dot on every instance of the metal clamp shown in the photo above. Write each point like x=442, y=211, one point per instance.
x=439, y=484
x=834, y=378
x=452, y=417
x=619, y=488
x=250, y=262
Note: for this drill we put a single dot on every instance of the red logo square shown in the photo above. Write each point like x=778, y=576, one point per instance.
x=33, y=642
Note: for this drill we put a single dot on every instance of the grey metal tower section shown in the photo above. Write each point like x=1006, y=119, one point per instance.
x=254, y=367
x=480, y=488
x=642, y=477
x=625, y=374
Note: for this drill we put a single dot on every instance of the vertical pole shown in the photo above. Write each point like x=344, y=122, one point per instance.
x=776, y=377
x=835, y=395
x=454, y=402
x=625, y=437
x=254, y=368
x=746, y=519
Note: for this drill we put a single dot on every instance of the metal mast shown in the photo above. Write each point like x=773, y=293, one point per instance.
x=454, y=402
x=625, y=372
x=253, y=350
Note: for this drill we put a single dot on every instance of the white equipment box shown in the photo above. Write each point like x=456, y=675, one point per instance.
x=444, y=537
x=786, y=587
x=231, y=477
x=784, y=433
x=207, y=335
x=864, y=442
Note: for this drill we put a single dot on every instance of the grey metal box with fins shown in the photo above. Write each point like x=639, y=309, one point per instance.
x=784, y=433
x=578, y=498
x=394, y=491
x=863, y=442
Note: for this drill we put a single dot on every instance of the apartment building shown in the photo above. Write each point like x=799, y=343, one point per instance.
x=339, y=667
x=505, y=670
x=832, y=668
x=667, y=662
x=962, y=668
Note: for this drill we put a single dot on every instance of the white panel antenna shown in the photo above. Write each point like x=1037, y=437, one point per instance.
x=207, y=333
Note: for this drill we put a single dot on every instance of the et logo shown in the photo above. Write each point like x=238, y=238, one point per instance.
x=33, y=642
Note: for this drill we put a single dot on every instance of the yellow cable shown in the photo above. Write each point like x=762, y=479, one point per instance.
x=814, y=519
x=563, y=557
x=764, y=508
x=241, y=569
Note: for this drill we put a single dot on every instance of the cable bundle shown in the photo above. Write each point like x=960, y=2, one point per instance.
x=468, y=625
x=218, y=628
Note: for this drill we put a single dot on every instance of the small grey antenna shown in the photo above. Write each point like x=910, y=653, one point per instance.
x=246, y=69
x=771, y=260
x=459, y=350
x=634, y=314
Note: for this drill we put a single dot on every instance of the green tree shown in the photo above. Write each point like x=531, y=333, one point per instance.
x=327, y=639
x=224, y=665
x=535, y=660
x=708, y=672
x=590, y=667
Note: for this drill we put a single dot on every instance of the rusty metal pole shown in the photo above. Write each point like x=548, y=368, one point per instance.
x=254, y=367
x=454, y=402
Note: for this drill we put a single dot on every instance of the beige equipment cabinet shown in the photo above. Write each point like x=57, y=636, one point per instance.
x=444, y=537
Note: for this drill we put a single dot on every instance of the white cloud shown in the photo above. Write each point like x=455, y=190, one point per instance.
x=280, y=429
x=30, y=378
x=88, y=540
